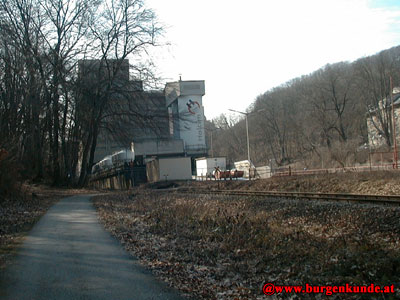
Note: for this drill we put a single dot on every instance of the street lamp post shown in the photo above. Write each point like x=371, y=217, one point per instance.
x=246, y=114
x=247, y=135
x=248, y=142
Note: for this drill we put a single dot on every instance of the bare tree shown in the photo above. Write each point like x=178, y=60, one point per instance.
x=20, y=20
x=275, y=122
x=41, y=91
x=374, y=88
x=125, y=28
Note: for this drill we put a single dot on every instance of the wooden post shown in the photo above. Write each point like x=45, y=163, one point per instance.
x=370, y=164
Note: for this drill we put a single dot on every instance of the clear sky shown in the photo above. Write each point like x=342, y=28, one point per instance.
x=244, y=48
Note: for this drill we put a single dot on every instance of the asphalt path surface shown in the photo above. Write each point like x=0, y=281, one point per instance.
x=68, y=255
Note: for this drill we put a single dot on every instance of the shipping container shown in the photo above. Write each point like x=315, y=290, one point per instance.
x=172, y=168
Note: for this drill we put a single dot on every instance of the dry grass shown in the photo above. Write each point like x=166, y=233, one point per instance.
x=17, y=216
x=380, y=183
x=219, y=247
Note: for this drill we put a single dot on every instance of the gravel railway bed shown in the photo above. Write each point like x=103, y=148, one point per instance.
x=360, y=198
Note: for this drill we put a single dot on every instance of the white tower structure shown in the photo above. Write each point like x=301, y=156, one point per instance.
x=186, y=114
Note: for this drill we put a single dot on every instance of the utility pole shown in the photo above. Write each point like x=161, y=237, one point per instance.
x=393, y=126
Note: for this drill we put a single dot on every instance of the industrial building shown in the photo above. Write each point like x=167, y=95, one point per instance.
x=186, y=115
x=156, y=124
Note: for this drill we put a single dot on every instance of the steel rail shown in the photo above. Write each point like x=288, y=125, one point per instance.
x=378, y=199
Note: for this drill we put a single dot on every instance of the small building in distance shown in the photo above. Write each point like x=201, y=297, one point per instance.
x=205, y=166
x=376, y=136
x=169, y=168
x=245, y=166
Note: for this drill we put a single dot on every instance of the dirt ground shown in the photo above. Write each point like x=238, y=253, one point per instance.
x=228, y=247
x=216, y=247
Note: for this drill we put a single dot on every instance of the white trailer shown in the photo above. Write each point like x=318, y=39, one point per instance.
x=206, y=165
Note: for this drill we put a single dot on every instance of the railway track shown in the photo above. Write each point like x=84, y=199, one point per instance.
x=360, y=198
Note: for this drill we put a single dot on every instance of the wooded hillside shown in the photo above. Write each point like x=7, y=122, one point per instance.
x=317, y=120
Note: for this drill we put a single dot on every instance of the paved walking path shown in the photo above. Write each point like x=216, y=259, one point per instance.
x=68, y=255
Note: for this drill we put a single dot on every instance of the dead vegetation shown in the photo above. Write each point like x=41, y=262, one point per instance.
x=379, y=183
x=219, y=247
